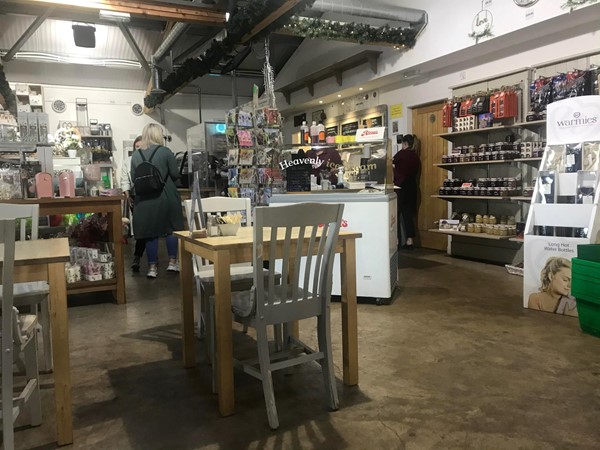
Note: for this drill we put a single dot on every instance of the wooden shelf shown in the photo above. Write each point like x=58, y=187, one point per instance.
x=533, y=124
x=95, y=136
x=472, y=163
x=24, y=146
x=84, y=287
x=516, y=239
x=469, y=197
x=521, y=199
x=335, y=69
x=528, y=159
x=471, y=235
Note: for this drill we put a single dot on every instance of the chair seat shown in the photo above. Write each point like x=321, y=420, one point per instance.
x=242, y=302
x=238, y=272
x=29, y=289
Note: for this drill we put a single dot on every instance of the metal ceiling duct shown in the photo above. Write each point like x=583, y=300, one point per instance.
x=177, y=31
x=364, y=9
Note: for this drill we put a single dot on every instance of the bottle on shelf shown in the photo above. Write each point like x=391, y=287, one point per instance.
x=321, y=132
x=314, y=133
x=304, y=133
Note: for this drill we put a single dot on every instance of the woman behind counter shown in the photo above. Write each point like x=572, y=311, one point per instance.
x=158, y=215
x=331, y=160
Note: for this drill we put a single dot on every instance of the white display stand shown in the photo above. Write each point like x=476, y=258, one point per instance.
x=574, y=120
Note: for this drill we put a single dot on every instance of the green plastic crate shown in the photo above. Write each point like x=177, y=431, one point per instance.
x=585, y=281
x=589, y=252
x=589, y=316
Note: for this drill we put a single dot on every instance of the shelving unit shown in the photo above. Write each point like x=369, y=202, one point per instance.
x=473, y=235
x=470, y=197
x=501, y=249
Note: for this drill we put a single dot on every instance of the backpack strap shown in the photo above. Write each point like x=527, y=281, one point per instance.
x=151, y=156
x=153, y=153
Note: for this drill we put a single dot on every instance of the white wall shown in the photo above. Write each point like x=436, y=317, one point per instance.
x=444, y=43
x=436, y=85
x=114, y=106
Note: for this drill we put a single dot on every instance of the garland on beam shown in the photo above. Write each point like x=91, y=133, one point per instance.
x=7, y=93
x=240, y=23
x=354, y=32
x=574, y=4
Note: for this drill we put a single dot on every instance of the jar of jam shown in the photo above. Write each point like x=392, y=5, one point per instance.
x=494, y=156
x=498, y=146
x=510, y=220
x=470, y=228
x=502, y=220
x=478, y=228
x=502, y=155
x=492, y=220
x=487, y=156
x=493, y=182
x=473, y=157
x=478, y=218
x=444, y=159
x=503, y=230
x=471, y=149
x=485, y=219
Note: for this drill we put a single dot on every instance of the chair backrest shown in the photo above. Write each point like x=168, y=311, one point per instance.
x=315, y=228
x=22, y=212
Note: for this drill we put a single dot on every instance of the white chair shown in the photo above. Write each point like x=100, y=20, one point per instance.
x=32, y=294
x=18, y=345
x=299, y=296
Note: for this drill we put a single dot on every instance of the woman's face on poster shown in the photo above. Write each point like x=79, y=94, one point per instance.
x=561, y=282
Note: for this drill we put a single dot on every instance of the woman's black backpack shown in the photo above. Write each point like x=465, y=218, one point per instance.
x=147, y=179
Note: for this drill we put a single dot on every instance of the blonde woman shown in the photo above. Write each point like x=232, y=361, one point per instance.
x=157, y=215
x=553, y=295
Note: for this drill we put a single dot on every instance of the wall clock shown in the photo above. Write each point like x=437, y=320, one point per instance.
x=137, y=109
x=525, y=3
x=58, y=106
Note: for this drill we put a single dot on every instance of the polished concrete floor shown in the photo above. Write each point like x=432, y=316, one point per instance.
x=454, y=363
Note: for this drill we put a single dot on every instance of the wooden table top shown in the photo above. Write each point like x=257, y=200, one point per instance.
x=40, y=251
x=245, y=237
x=67, y=200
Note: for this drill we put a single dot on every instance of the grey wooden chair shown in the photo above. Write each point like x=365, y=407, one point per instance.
x=299, y=296
x=33, y=295
x=18, y=345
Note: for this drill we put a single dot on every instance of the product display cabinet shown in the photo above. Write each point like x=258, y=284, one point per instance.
x=564, y=211
x=491, y=173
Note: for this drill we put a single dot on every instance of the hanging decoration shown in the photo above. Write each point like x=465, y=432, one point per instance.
x=269, y=75
x=353, y=32
x=7, y=93
x=574, y=4
x=482, y=24
x=241, y=22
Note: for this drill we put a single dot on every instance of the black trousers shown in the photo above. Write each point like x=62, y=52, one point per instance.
x=140, y=247
x=407, y=210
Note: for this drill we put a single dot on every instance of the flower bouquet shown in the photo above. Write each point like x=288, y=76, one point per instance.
x=67, y=141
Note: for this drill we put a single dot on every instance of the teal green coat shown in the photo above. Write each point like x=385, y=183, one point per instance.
x=160, y=215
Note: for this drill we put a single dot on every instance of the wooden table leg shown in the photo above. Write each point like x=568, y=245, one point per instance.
x=187, y=305
x=349, y=313
x=223, y=331
x=60, y=343
x=117, y=236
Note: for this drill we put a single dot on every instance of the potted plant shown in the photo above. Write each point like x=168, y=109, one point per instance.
x=67, y=142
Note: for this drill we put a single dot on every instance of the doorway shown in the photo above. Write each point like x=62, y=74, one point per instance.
x=427, y=121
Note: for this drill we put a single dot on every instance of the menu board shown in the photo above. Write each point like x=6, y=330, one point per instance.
x=349, y=129
x=373, y=122
x=331, y=131
x=298, y=178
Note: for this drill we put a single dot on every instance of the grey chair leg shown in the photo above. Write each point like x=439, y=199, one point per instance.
x=210, y=344
x=324, y=337
x=265, y=371
x=286, y=346
x=31, y=372
x=44, y=318
x=201, y=306
x=277, y=334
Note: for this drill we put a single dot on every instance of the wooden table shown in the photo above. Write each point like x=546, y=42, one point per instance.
x=106, y=205
x=226, y=250
x=44, y=260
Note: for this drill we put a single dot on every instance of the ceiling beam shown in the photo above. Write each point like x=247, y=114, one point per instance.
x=28, y=33
x=284, y=8
x=134, y=47
x=145, y=8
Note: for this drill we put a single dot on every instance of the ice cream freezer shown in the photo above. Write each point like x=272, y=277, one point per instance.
x=374, y=215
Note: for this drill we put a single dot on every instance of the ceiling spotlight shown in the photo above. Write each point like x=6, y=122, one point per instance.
x=320, y=101
x=343, y=103
x=360, y=89
x=339, y=95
